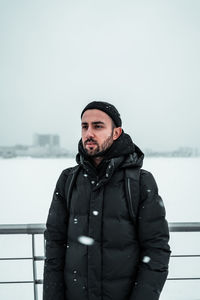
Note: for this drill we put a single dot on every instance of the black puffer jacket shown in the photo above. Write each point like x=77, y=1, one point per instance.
x=127, y=261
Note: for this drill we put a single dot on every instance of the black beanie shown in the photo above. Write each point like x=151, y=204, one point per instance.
x=106, y=107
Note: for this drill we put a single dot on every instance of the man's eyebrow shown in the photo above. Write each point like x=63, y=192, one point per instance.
x=94, y=123
x=98, y=122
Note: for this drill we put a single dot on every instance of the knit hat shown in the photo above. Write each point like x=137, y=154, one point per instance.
x=106, y=107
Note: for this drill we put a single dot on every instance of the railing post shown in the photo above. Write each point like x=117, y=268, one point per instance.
x=34, y=269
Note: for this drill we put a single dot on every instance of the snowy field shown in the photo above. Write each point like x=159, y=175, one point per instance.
x=26, y=187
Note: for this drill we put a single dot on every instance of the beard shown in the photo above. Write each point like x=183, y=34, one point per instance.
x=104, y=146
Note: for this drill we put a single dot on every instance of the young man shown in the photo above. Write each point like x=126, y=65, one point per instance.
x=107, y=236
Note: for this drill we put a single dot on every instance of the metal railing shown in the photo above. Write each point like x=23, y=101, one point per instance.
x=184, y=227
x=34, y=229
x=31, y=229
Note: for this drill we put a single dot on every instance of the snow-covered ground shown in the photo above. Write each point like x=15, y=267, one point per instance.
x=26, y=187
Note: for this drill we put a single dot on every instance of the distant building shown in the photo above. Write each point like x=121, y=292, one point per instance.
x=44, y=145
x=47, y=145
x=43, y=140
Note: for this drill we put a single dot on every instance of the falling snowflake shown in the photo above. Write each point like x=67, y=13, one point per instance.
x=86, y=240
x=146, y=259
x=95, y=212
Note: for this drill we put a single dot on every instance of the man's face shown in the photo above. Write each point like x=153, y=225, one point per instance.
x=97, y=131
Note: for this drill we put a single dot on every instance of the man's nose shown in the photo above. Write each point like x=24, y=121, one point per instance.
x=90, y=132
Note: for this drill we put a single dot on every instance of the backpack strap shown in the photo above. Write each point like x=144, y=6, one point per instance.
x=132, y=190
x=71, y=178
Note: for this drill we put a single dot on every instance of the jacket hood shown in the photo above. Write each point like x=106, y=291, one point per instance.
x=122, y=149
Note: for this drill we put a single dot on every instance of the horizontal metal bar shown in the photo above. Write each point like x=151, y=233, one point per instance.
x=39, y=258
x=184, y=226
x=40, y=228
x=38, y=281
x=184, y=278
x=36, y=258
x=186, y=255
x=8, y=282
x=15, y=258
x=22, y=228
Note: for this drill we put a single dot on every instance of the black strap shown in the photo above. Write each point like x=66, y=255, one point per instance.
x=70, y=182
x=132, y=189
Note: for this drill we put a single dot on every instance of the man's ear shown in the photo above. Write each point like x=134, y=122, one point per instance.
x=116, y=133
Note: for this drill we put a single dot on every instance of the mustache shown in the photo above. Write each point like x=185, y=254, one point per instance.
x=90, y=140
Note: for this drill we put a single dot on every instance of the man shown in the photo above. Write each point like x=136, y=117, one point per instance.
x=127, y=255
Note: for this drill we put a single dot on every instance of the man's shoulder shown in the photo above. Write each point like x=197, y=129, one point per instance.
x=147, y=179
x=142, y=176
x=65, y=174
x=70, y=170
x=145, y=174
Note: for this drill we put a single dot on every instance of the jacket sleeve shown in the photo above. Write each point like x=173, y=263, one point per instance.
x=56, y=239
x=153, y=235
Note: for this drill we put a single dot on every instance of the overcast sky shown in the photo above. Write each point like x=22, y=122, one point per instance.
x=142, y=56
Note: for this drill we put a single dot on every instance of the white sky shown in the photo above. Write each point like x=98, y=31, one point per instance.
x=142, y=56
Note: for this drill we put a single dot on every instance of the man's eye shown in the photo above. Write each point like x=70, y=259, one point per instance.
x=98, y=126
x=84, y=126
